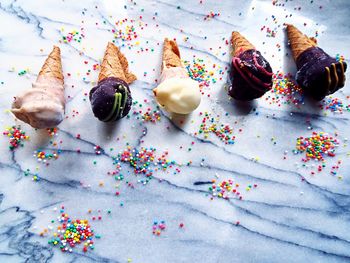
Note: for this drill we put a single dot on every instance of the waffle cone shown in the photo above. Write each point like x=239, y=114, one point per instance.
x=240, y=43
x=115, y=64
x=52, y=68
x=171, y=54
x=299, y=42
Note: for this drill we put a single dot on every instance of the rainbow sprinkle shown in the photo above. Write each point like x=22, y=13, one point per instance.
x=158, y=228
x=146, y=114
x=73, y=36
x=197, y=70
x=334, y=105
x=16, y=136
x=211, y=124
x=126, y=31
x=285, y=91
x=45, y=157
x=316, y=147
x=227, y=189
x=210, y=16
x=143, y=162
x=71, y=233
x=52, y=131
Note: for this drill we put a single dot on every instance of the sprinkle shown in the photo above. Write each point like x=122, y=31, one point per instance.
x=334, y=105
x=23, y=72
x=211, y=124
x=45, y=157
x=285, y=91
x=144, y=161
x=317, y=147
x=74, y=35
x=198, y=71
x=71, y=233
x=158, y=228
x=16, y=136
x=210, y=16
x=227, y=189
x=52, y=132
x=126, y=31
x=145, y=114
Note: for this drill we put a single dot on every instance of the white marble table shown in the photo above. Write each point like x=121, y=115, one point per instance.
x=284, y=219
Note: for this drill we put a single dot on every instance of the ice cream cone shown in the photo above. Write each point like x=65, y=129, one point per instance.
x=43, y=105
x=171, y=54
x=176, y=91
x=52, y=68
x=240, y=43
x=115, y=64
x=299, y=42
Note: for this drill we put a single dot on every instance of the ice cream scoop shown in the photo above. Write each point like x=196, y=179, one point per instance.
x=251, y=74
x=111, y=98
x=177, y=92
x=318, y=73
x=43, y=105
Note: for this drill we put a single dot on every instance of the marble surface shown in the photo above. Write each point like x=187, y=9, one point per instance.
x=284, y=219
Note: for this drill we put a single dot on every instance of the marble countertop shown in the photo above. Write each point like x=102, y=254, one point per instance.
x=286, y=213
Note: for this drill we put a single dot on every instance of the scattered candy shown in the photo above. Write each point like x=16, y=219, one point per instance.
x=317, y=147
x=144, y=161
x=52, y=131
x=285, y=91
x=74, y=35
x=211, y=124
x=334, y=105
x=211, y=15
x=71, y=233
x=198, y=71
x=158, y=228
x=227, y=189
x=16, y=136
x=45, y=157
x=145, y=114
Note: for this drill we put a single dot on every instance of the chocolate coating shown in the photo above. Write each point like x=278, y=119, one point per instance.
x=110, y=99
x=319, y=74
x=250, y=76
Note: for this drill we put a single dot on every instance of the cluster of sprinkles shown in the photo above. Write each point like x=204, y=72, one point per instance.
x=227, y=189
x=52, y=132
x=285, y=90
x=210, y=16
x=339, y=58
x=35, y=177
x=74, y=35
x=211, y=124
x=334, y=105
x=23, y=72
x=197, y=69
x=335, y=168
x=144, y=161
x=269, y=32
x=158, y=227
x=126, y=32
x=45, y=157
x=16, y=136
x=71, y=233
x=317, y=147
x=145, y=112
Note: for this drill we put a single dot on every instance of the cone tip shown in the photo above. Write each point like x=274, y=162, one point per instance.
x=56, y=48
